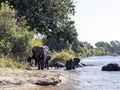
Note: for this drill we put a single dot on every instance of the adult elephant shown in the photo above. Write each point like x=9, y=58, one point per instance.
x=40, y=54
x=111, y=67
x=29, y=60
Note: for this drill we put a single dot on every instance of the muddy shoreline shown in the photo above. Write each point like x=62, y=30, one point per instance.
x=17, y=79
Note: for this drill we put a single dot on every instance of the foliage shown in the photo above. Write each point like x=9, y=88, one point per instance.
x=62, y=56
x=113, y=47
x=9, y=63
x=22, y=20
x=34, y=42
x=82, y=49
x=13, y=39
x=104, y=45
x=50, y=18
x=88, y=45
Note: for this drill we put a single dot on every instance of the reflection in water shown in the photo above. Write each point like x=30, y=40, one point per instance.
x=89, y=77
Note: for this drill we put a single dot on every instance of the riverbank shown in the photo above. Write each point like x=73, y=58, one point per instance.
x=16, y=79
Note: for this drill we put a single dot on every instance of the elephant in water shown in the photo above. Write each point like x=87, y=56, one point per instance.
x=57, y=64
x=76, y=62
x=111, y=67
x=72, y=63
x=40, y=54
x=69, y=64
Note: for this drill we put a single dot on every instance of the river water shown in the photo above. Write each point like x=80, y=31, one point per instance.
x=90, y=77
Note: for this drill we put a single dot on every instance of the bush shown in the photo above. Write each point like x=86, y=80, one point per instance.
x=62, y=56
x=9, y=63
x=14, y=39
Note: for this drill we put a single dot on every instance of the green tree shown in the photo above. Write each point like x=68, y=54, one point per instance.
x=50, y=18
x=14, y=40
x=103, y=45
x=115, y=47
x=89, y=46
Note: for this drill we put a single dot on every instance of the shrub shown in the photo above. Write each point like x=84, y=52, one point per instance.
x=61, y=56
x=9, y=63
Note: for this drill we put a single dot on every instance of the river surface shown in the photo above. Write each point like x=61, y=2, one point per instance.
x=90, y=77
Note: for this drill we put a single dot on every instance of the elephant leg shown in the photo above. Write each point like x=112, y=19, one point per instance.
x=46, y=65
x=68, y=67
x=45, y=61
x=71, y=64
x=73, y=67
x=38, y=64
x=42, y=64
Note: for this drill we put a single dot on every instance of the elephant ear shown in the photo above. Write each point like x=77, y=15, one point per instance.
x=46, y=49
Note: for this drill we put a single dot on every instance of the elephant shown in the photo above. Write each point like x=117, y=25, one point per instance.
x=111, y=67
x=57, y=64
x=76, y=62
x=40, y=54
x=47, y=60
x=80, y=65
x=72, y=63
x=69, y=64
x=29, y=60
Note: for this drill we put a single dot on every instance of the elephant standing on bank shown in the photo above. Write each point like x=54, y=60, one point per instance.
x=40, y=54
x=47, y=60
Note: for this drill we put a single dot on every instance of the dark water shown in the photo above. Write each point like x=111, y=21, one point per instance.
x=90, y=77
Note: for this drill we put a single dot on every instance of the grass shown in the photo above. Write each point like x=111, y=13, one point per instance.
x=62, y=56
x=9, y=63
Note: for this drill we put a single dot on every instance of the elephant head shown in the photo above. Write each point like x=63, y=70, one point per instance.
x=76, y=62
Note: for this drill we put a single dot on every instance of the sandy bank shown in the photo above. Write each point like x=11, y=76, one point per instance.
x=18, y=79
